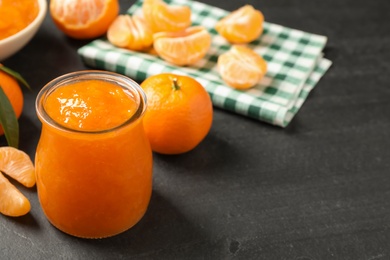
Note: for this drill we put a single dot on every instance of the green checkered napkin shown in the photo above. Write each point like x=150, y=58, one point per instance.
x=295, y=64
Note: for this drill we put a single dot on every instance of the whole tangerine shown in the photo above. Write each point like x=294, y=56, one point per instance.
x=179, y=114
x=13, y=92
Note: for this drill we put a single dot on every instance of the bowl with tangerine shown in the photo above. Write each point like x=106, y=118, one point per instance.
x=20, y=20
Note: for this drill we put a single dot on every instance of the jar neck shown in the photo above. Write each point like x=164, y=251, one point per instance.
x=135, y=93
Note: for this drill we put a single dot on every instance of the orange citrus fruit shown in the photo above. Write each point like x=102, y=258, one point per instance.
x=84, y=19
x=183, y=48
x=130, y=32
x=242, y=25
x=241, y=67
x=14, y=93
x=12, y=202
x=18, y=165
x=163, y=17
x=179, y=114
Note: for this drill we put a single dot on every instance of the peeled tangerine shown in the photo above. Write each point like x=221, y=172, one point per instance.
x=17, y=165
x=84, y=19
x=130, y=32
x=162, y=17
x=241, y=67
x=183, y=48
x=242, y=25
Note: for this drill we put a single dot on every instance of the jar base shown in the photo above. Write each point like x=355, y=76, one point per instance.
x=74, y=234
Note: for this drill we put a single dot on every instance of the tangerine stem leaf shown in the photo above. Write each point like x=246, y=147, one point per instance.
x=8, y=120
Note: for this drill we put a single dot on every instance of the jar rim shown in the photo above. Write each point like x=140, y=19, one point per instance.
x=77, y=76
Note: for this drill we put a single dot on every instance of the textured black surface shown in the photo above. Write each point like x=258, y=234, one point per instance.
x=319, y=189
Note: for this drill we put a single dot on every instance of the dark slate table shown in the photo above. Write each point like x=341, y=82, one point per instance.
x=319, y=189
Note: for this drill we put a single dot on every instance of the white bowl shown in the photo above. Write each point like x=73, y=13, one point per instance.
x=14, y=43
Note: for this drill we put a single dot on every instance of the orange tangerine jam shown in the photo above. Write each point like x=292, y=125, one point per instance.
x=16, y=15
x=90, y=105
x=93, y=161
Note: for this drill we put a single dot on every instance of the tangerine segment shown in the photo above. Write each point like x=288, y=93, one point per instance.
x=18, y=165
x=130, y=32
x=12, y=202
x=179, y=114
x=163, y=17
x=183, y=48
x=242, y=25
x=84, y=19
x=241, y=67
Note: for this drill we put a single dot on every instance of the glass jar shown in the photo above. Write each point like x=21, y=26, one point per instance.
x=93, y=183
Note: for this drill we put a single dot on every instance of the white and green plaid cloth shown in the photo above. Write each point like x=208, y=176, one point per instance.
x=295, y=65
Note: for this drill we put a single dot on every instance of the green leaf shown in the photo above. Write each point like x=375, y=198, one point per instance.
x=8, y=120
x=15, y=75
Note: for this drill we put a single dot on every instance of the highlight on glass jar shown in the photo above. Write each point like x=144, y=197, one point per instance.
x=93, y=160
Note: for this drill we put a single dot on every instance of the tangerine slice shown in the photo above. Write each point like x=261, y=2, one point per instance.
x=18, y=165
x=130, y=32
x=84, y=19
x=242, y=25
x=163, y=17
x=12, y=202
x=183, y=48
x=241, y=67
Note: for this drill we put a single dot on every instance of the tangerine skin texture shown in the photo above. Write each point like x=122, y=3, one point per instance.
x=177, y=119
x=14, y=93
